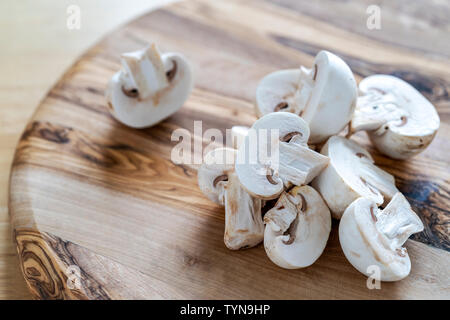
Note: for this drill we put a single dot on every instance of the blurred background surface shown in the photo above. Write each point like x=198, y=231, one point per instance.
x=36, y=48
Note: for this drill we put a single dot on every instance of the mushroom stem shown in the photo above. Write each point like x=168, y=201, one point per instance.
x=298, y=164
x=375, y=110
x=282, y=215
x=398, y=221
x=244, y=227
x=145, y=71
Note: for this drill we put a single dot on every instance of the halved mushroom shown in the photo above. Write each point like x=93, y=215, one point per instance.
x=297, y=228
x=373, y=237
x=238, y=134
x=399, y=120
x=149, y=88
x=244, y=227
x=274, y=155
x=325, y=95
x=351, y=174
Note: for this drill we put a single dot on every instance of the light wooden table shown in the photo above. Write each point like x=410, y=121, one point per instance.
x=36, y=48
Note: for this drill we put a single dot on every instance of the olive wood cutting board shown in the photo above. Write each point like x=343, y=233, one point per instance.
x=99, y=211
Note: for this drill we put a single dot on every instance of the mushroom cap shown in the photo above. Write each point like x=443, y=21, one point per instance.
x=297, y=228
x=140, y=113
x=373, y=237
x=332, y=99
x=275, y=88
x=253, y=172
x=274, y=154
x=214, y=171
x=351, y=174
x=401, y=138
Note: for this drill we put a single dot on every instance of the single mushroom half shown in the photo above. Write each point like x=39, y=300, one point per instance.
x=244, y=227
x=325, y=95
x=238, y=134
x=399, y=120
x=351, y=174
x=274, y=155
x=297, y=228
x=149, y=88
x=373, y=237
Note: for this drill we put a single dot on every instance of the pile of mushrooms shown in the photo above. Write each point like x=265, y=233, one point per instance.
x=295, y=231
x=309, y=108
x=273, y=167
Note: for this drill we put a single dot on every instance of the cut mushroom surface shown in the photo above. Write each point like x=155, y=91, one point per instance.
x=244, y=227
x=373, y=237
x=274, y=155
x=325, y=95
x=149, y=88
x=399, y=120
x=297, y=228
x=351, y=174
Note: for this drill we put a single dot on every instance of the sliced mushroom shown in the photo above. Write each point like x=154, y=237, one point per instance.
x=373, y=237
x=244, y=227
x=238, y=134
x=297, y=228
x=289, y=162
x=149, y=88
x=351, y=174
x=325, y=95
x=399, y=120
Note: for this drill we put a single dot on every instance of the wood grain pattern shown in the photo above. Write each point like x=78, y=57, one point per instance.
x=87, y=191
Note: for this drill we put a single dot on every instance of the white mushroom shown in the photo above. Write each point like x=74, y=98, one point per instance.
x=244, y=227
x=297, y=228
x=373, y=237
x=351, y=174
x=238, y=134
x=274, y=156
x=325, y=95
x=149, y=88
x=399, y=120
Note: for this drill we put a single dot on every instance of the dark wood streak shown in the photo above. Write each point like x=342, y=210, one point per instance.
x=44, y=258
x=429, y=200
x=395, y=32
x=436, y=89
x=78, y=102
x=218, y=39
x=57, y=136
x=125, y=168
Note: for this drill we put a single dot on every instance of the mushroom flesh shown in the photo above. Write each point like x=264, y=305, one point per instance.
x=244, y=227
x=297, y=228
x=373, y=237
x=399, y=120
x=149, y=88
x=274, y=155
x=351, y=174
x=325, y=95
